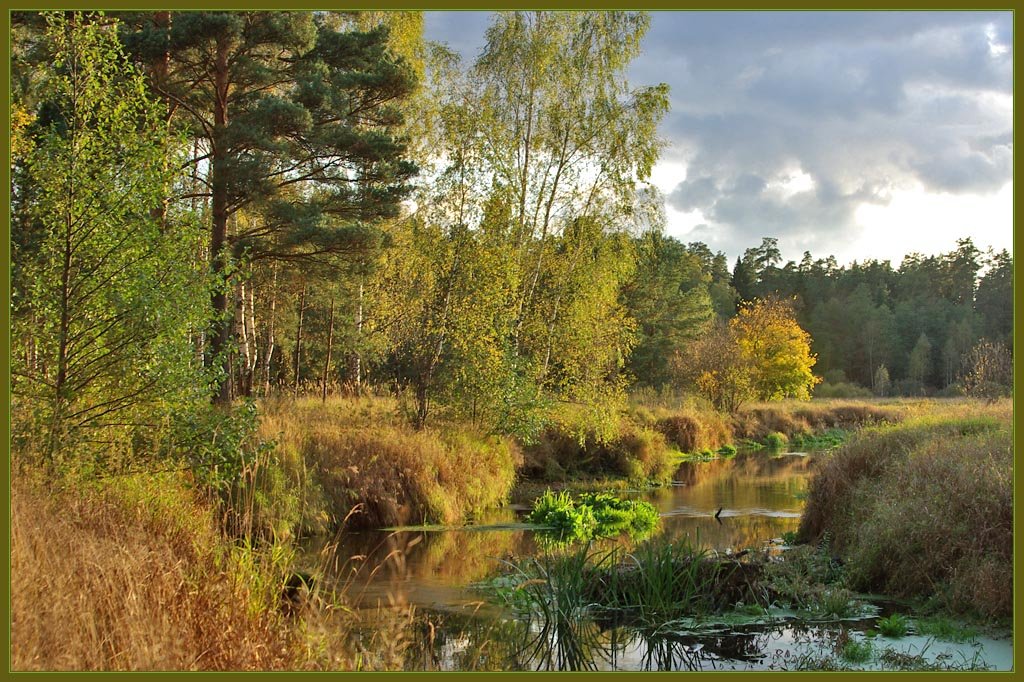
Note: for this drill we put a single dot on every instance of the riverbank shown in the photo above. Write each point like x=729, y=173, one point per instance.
x=141, y=571
x=134, y=574
x=923, y=509
x=358, y=462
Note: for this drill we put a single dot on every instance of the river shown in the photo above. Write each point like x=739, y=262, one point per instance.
x=745, y=502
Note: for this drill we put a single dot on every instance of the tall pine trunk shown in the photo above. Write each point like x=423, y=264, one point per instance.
x=330, y=343
x=298, y=341
x=220, y=332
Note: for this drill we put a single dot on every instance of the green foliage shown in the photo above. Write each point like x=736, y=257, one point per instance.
x=857, y=651
x=790, y=538
x=841, y=390
x=776, y=441
x=944, y=628
x=894, y=625
x=219, y=443
x=592, y=515
x=668, y=298
x=727, y=450
x=110, y=293
x=825, y=440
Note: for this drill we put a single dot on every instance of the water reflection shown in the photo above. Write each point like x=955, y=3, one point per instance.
x=451, y=641
x=760, y=497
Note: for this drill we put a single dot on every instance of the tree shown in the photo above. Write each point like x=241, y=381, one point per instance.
x=668, y=298
x=714, y=366
x=279, y=100
x=880, y=382
x=988, y=371
x=994, y=299
x=564, y=138
x=111, y=292
x=778, y=350
x=743, y=280
x=919, y=364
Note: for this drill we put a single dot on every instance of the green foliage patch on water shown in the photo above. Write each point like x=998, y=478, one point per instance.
x=591, y=515
x=826, y=440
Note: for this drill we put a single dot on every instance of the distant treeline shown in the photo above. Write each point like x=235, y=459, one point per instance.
x=918, y=320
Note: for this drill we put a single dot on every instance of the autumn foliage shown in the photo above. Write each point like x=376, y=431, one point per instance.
x=761, y=354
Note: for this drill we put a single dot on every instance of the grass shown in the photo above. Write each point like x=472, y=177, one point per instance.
x=651, y=585
x=924, y=508
x=825, y=440
x=945, y=629
x=360, y=452
x=134, y=574
x=856, y=651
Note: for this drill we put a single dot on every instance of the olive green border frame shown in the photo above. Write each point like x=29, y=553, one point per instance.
x=484, y=5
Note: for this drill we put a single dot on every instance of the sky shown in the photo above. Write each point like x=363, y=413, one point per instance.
x=855, y=134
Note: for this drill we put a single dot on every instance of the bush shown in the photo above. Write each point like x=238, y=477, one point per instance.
x=842, y=390
x=776, y=440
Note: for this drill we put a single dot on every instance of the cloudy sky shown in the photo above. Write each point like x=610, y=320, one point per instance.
x=856, y=134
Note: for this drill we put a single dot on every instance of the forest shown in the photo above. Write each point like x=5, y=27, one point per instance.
x=270, y=269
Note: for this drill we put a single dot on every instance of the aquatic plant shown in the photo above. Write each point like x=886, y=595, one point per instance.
x=591, y=515
x=775, y=440
x=946, y=629
x=895, y=625
x=856, y=651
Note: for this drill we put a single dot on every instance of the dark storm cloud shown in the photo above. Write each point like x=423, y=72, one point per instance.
x=865, y=103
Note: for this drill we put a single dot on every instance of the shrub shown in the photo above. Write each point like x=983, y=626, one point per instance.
x=842, y=390
x=681, y=431
x=776, y=440
x=592, y=515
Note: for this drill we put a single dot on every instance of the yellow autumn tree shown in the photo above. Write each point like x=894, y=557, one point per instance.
x=777, y=349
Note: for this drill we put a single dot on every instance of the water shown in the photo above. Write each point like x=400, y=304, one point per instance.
x=760, y=497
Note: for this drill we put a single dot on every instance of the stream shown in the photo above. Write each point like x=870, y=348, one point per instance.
x=760, y=497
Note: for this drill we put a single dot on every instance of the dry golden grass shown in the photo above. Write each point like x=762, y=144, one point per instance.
x=361, y=453
x=102, y=582
x=924, y=507
x=791, y=417
x=134, y=574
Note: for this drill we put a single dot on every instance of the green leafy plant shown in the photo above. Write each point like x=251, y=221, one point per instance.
x=895, y=625
x=856, y=652
x=592, y=515
x=775, y=440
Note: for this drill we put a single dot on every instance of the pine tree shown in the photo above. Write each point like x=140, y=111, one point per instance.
x=282, y=100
